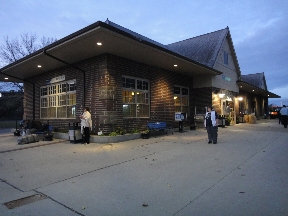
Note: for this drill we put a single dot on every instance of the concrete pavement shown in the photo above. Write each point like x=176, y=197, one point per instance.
x=179, y=174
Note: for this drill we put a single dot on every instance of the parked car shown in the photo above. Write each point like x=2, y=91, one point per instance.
x=274, y=112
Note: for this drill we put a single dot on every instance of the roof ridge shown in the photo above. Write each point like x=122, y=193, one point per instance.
x=135, y=34
x=200, y=35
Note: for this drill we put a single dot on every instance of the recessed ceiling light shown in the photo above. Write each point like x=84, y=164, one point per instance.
x=6, y=78
x=253, y=90
x=175, y=65
x=99, y=43
x=39, y=66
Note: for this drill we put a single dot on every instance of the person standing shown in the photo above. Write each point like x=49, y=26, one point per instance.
x=284, y=116
x=86, y=124
x=279, y=116
x=211, y=125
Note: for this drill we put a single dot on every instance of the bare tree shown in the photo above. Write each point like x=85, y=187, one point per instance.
x=12, y=50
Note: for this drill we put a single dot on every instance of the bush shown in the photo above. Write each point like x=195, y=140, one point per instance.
x=113, y=134
x=120, y=131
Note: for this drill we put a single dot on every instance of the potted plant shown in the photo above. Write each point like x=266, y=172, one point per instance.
x=237, y=119
x=145, y=134
x=228, y=120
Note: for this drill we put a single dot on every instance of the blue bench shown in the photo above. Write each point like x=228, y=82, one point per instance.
x=159, y=126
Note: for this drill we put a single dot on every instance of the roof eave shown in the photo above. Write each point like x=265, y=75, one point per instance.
x=249, y=88
x=101, y=25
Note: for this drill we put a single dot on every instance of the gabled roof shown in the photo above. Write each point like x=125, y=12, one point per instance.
x=205, y=48
x=115, y=40
x=257, y=79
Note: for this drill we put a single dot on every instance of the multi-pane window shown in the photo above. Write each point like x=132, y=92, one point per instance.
x=135, y=97
x=181, y=99
x=58, y=100
x=225, y=58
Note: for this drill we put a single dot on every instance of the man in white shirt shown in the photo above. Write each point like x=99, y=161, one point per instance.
x=211, y=125
x=284, y=116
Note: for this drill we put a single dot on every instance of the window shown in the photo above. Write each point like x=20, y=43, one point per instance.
x=225, y=58
x=181, y=99
x=58, y=100
x=135, y=97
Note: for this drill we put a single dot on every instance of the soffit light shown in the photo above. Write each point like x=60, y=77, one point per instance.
x=6, y=78
x=221, y=95
x=39, y=66
x=175, y=65
x=99, y=43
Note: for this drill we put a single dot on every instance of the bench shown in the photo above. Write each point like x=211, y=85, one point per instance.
x=159, y=126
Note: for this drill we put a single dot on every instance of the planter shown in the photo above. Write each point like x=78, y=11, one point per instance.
x=102, y=139
x=193, y=127
x=145, y=135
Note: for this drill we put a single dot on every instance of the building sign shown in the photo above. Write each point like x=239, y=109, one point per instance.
x=180, y=116
x=56, y=79
x=226, y=78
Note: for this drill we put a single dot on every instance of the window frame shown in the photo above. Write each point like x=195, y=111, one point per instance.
x=129, y=87
x=225, y=58
x=181, y=96
x=56, y=98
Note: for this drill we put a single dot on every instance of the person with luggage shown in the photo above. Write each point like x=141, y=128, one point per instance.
x=211, y=125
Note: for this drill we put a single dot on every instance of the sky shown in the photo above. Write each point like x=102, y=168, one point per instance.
x=259, y=28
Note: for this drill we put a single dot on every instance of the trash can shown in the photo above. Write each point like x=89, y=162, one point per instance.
x=221, y=121
x=180, y=117
x=75, y=135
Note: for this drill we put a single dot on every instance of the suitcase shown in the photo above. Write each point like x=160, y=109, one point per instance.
x=36, y=138
x=22, y=140
x=30, y=138
x=48, y=137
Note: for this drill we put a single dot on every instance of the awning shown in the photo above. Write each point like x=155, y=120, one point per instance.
x=247, y=87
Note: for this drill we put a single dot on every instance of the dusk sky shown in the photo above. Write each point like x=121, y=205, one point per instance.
x=259, y=29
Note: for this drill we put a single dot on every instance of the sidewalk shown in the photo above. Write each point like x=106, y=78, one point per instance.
x=180, y=174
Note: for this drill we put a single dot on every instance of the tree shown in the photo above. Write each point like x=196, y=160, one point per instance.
x=12, y=50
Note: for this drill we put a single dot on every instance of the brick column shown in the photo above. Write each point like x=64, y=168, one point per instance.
x=107, y=84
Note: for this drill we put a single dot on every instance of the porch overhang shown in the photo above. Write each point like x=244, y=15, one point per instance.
x=249, y=88
x=82, y=45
